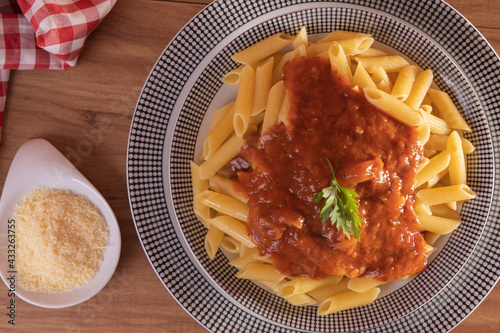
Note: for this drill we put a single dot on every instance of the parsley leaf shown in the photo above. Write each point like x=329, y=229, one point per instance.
x=340, y=206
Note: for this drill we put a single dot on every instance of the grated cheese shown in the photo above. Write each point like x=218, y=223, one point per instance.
x=61, y=239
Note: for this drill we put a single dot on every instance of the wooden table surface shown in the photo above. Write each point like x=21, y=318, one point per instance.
x=100, y=94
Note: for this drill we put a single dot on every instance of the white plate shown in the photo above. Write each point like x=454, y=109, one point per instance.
x=172, y=115
x=38, y=163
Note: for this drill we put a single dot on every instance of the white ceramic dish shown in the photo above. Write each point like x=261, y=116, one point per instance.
x=38, y=163
x=172, y=116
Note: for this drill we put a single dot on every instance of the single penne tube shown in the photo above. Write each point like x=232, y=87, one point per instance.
x=200, y=185
x=393, y=107
x=419, y=89
x=347, y=300
x=223, y=185
x=326, y=291
x=234, y=228
x=213, y=239
x=302, y=285
x=263, y=49
x=224, y=154
x=263, y=78
x=274, y=102
x=391, y=64
x=444, y=194
x=285, y=108
x=350, y=46
x=436, y=164
x=224, y=204
x=339, y=61
x=278, y=68
x=300, y=51
x=437, y=125
x=363, y=284
x=356, y=45
x=301, y=38
x=260, y=272
x=448, y=110
x=404, y=82
x=233, y=76
x=342, y=34
x=300, y=300
x=457, y=170
x=436, y=224
x=272, y=286
x=244, y=99
x=230, y=244
x=220, y=132
x=445, y=211
x=361, y=77
x=374, y=52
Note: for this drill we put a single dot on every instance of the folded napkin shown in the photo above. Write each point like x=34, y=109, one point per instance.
x=44, y=34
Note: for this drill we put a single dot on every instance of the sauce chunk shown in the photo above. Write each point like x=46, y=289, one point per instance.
x=374, y=154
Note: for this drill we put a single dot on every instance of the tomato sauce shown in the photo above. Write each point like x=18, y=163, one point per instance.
x=280, y=171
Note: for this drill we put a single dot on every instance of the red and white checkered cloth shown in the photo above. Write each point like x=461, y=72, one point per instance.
x=44, y=34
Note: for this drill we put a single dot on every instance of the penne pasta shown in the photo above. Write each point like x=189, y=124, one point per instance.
x=339, y=61
x=220, y=132
x=363, y=284
x=431, y=238
x=223, y=185
x=436, y=165
x=213, y=238
x=391, y=64
x=230, y=244
x=301, y=39
x=244, y=99
x=260, y=272
x=274, y=103
x=404, y=82
x=419, y=89
x=302, y=285
x=223, y=155
x=441, y=195
x=263, y=49
x=393, y=107
x=457, y=171
x=436, y=224
x=448, y=110
x=233, y=228
x=263, y=78
x=224, y=204
x=233, y=77
x=326, y=291
x=347, y=300
x=201, y=211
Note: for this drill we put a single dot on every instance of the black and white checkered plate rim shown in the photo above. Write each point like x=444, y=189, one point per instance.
x=169, y=116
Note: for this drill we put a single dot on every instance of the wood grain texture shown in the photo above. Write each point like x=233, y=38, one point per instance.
x=86, y=113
